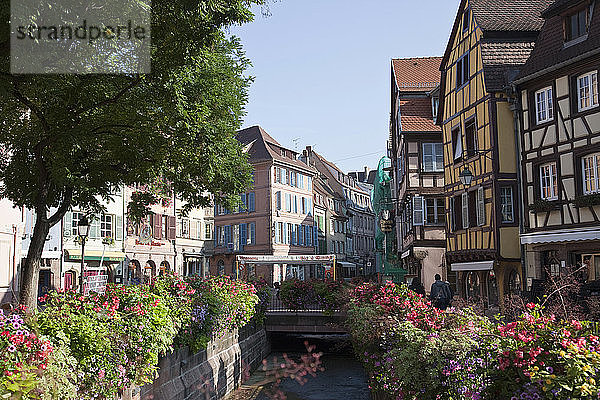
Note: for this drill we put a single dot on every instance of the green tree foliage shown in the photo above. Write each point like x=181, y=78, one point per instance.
x=69, y=139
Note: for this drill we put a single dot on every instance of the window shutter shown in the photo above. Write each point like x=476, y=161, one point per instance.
x=227, y=235
x=465, y=210
x=68, y=223
x=193, y=228
x=284, y=176
x=243, y=235
x=277, y=233
x=119, y=228
x=574, y=95
x=252, y=233
x=153, y=219
x=244, y=206
x=171, y=227
x=296, y=204
x=417, y=210
x=251, y=202
x=480, y=206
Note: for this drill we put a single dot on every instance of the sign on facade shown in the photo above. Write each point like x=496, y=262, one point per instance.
x=95, y=283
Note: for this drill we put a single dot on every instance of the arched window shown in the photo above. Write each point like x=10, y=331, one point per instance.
x=164, y=267
x=514, y=283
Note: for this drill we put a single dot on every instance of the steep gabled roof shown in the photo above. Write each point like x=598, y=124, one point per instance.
x=261, y=147
x=509, y=28
x=509, y=15
x=550, y=50
x=416, y=74
x=559, y=6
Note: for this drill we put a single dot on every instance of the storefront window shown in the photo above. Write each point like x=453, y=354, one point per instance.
x=592, y=264
x=472, y=285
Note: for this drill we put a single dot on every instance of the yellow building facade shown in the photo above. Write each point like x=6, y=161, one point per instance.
x=489, y=42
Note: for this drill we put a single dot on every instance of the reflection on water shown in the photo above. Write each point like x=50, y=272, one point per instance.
x=343, y=377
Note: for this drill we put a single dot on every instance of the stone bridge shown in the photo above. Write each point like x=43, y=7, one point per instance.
x=305, y=321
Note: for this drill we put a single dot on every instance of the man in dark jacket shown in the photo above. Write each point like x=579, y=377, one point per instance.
x=441, y=295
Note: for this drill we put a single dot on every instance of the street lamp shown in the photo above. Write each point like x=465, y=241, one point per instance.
x=466, y=176
x=83, y=230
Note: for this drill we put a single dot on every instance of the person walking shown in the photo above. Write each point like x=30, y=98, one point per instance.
x=417, y=286
x=441, y=295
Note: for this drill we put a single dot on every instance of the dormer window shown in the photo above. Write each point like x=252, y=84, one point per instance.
x=577, y=24
x=435, y=103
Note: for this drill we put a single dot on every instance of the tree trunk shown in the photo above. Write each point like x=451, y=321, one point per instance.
x=31, y=268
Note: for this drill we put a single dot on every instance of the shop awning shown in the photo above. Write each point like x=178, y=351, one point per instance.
x=561, y=235
x=473, y=266
x=95, y=255
x=193, y=255
x=292, y=259
x=347, y=265
x=51, y=254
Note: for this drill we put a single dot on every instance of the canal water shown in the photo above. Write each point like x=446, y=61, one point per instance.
x=340, y=375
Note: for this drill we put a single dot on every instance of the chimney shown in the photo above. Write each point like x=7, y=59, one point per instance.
x=309, y=150
x=366, y=178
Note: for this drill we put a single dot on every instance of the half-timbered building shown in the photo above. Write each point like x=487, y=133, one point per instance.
x=489, y=43
x=418, y=173
x=560, y=143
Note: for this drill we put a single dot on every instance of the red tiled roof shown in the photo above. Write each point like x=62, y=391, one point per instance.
x=417, y=74
x=416, y=115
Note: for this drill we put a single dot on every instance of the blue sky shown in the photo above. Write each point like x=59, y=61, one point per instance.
x=322, y=70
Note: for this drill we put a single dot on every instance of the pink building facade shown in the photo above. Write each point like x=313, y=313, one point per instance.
x=276, y=216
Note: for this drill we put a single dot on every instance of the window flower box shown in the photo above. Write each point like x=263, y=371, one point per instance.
x=587, y=200
x=542, y=205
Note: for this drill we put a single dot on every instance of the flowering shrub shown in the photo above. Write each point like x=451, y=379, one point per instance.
x=544, y=356
x=24, y=356
x=116, y=337
x=413, y=352
x=297, y=294
x=263, y=291
x=220, y=305
x=327, y=295
x=397, y=300
x=102, y=343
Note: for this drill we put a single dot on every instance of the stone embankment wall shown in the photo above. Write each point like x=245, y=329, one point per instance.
x=210, y=374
